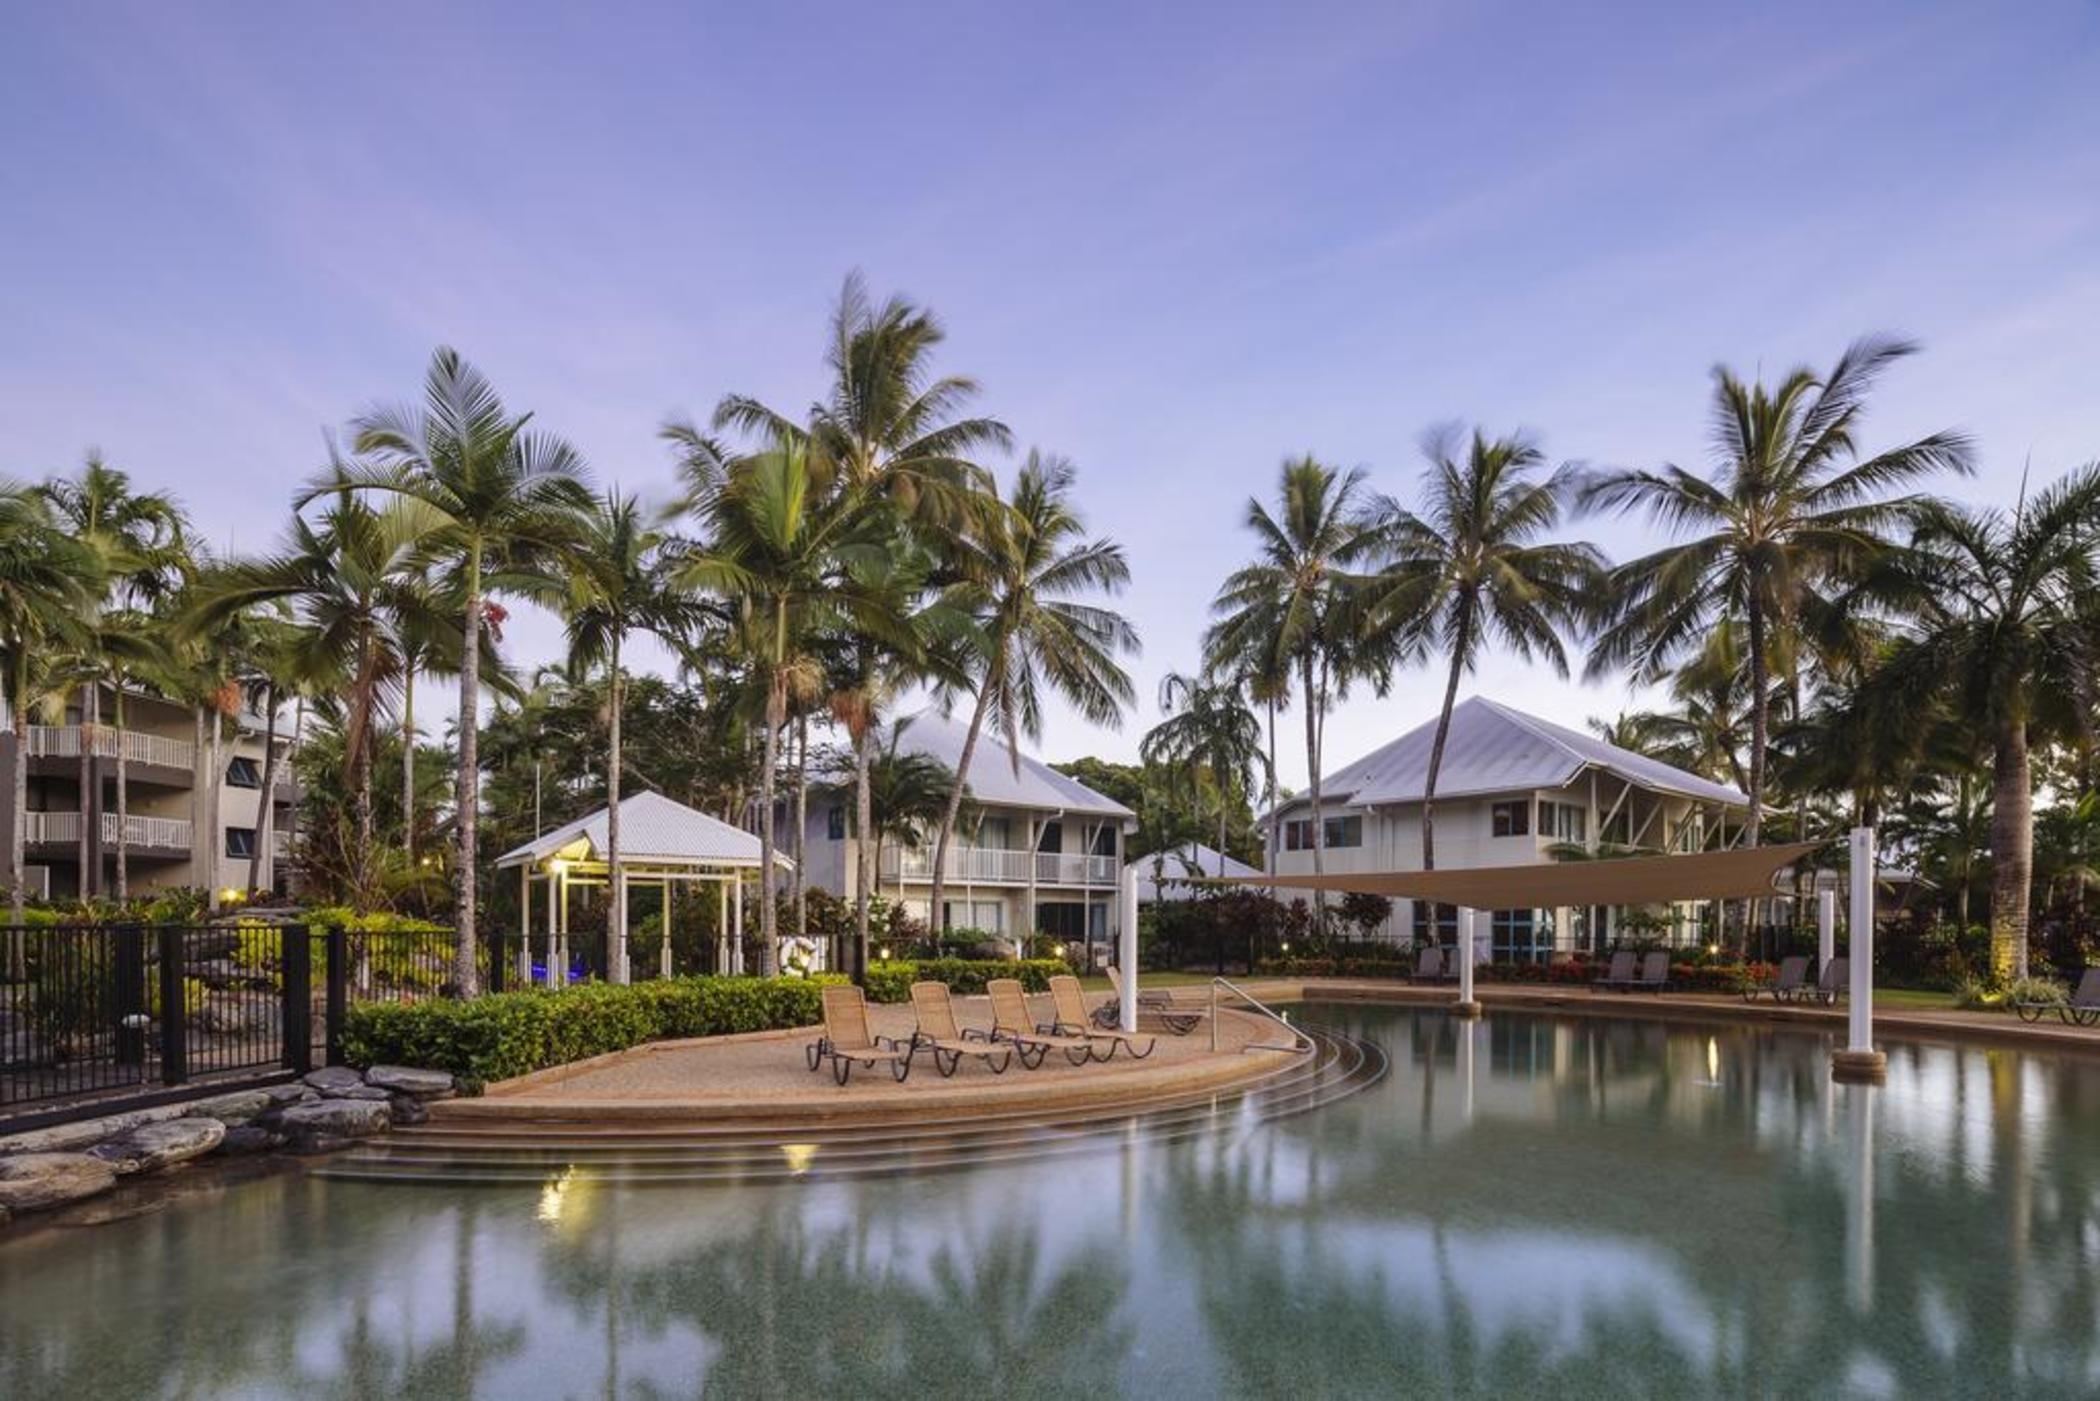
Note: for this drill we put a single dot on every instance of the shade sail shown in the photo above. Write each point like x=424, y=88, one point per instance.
x=1635, y=880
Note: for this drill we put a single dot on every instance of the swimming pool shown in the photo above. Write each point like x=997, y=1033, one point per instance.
x=1529, y=1206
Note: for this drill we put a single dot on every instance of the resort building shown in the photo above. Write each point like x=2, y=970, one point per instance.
x=1171, y=875
x=171, y=834
x=1513, y=790
x=1043, y=851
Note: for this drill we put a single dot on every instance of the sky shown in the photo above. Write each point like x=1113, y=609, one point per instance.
x=1175, y=243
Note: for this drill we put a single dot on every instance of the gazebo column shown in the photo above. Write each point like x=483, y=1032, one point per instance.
x=525, y=925
x=664, y=950
x=553, y=930
x=1468, y=949
x=616, y=929
x=1859, y=1060
x=722, y=925
x=736, y=944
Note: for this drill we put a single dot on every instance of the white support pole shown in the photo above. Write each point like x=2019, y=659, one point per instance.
x=1468, y=952
x=553, y=921
x=525, y=925
x=722, y=926
x=1859, y=1060
x=1127, y=949
x=664, y=949
x=1826, y=929
x=736, y=943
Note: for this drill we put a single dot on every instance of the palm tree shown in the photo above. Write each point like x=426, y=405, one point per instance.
x=906, y=793
x=2004, y=635
x=1473, y=569
x=1028, y=571
x=1291, y=607
x=1208, y=733
x=1791, y=509
x=508, y=501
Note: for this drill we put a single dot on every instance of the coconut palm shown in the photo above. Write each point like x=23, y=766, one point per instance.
x=2004, y=634
x=1208, y=733
x=509, y=501
x=906, y=794
x=1293, y=607
x=1792, y=508
x=1029, y=571
x=1474, y=569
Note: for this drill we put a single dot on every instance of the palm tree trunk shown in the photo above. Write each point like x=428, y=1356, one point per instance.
x=1312, y=764
x=1760, y=720
x=90, y=835
x=464, y=972
x=1459, y=647
x=214, y=809
x=1273, y=814
x=2012, y=850
x=18, y=838
x=361, y=763
x=868, y=840
x=266, y=819
x=123, y=800
x=768, y=778
x=616, y=928
x=801, y=825
x=955, y=795
x=408, y=759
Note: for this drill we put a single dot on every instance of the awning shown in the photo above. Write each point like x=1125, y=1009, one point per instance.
x=1737, y=874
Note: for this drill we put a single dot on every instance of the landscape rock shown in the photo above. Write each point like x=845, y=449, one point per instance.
x=333, y=1118
x=293, y=1093
x=240, y=1107
x=39, y=1181
x=371, y=1092
x=237, y=1014
x=411, y=1080
x=151, y=1147
x=249, y=1138
x=333, y=1077
x=407, y=1111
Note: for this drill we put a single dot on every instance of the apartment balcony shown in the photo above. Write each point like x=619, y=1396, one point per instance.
x=170, y=835
x=139, y=746
x=995, y=866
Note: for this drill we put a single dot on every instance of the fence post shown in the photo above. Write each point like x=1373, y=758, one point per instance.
x=337, y=999
x=298, y=1015
x=174, y=1018
x=128, y=999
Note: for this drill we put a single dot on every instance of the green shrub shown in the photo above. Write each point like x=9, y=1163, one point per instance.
x=891, y=982
x=513, y=1033
x=1974, y=994
x=2036, y=990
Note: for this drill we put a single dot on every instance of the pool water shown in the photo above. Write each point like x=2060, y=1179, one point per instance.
x=1531, y=1206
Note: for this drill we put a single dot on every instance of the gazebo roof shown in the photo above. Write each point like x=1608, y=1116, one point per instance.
x=654, y=831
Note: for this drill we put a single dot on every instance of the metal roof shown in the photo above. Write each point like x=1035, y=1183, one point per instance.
x=994, y=778
x=653, y=829
x=1165, y=875
x=1493, y=748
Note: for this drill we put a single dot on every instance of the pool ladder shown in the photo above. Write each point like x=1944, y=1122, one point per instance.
x=1299, y=1040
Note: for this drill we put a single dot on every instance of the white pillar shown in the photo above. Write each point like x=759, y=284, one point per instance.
x=721, y=926
x=525, y=925
x=1468, y=951
x=664, y=950
x=1862, y=934
x=736, y=942
x=1826, y=929
x=616, y=931
x=553, y=922
x=1127, y=947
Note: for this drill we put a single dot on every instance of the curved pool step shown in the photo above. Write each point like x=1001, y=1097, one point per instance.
x=526, y=1153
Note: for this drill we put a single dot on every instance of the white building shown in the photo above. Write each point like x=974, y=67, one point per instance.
x=1171, y=875
x=1513, y=790
x=1044, y=852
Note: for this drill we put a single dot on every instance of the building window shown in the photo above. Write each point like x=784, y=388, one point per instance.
x=240, y=841
x=1340, y=832
x=1517, y=937
x=1297, y=835
x=992, y=834
x=1435, y=924
x=1052, y=837
x=243, y=772
x=1511, y=819
x=1105, y=840
x=835, y=822
x=1563, y=822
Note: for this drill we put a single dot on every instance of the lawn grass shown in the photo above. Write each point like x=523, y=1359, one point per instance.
x=1914, y=999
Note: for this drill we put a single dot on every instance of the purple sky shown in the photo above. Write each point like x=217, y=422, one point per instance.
x=1175, y=247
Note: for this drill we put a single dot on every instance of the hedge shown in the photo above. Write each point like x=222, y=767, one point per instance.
x=514, y=1033
x=891, y=982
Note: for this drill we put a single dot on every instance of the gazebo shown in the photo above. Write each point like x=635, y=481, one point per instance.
x=663, y=843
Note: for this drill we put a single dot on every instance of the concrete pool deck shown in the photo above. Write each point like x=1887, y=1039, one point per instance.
x=763, y=1076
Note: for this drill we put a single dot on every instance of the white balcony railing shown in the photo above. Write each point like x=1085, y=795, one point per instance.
x=995, y=866
x=140, y=747
x=63, y=828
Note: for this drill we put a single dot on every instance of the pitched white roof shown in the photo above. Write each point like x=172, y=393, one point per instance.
x=1493, y=748
x=1164, y=875
x=993, y=779
x=653, y=828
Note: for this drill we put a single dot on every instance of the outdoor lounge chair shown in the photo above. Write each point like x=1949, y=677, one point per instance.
x=1791, y=982
x=1429, y=966
x=2082, y=1010
x=1012, y=1024
x=1834, y=982
x=849, y=1041
x=939, y=1033
x=1655, y=973
x=1069, y=1002
x=1179, y=1019
x=1454, y=966
x=1618, y=974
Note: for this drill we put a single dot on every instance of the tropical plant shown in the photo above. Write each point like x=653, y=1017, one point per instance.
x=1208, y=735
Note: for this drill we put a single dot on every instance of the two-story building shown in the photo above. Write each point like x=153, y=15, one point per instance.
x=1512, y=790
x=1043, y=853
x=171, y=833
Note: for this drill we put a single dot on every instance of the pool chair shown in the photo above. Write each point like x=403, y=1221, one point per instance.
x=1834, y=982
x=1069, y=1003
x=1012, y=1025
x=1618, y=974
x=1791, y=982
x=849, y=1041
x=939, y=1033
x=1655, y=973
x=1429, y=966
x=1159, y=1003
x=2082, y=1010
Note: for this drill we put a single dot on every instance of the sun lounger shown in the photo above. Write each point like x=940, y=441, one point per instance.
x=1429, y=966
x=1834, y=982
x=849, y=1041
x=1069, y=1002
x=1012, y=1024
x=2083, y=1009
x=1655, y=973
x=1618, y=974
x=1790, y=983
x=1177, y=1018
x=1454, y=965
x=939, y=1033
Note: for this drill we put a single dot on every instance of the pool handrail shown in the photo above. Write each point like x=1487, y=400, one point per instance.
x=1300, y=1042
